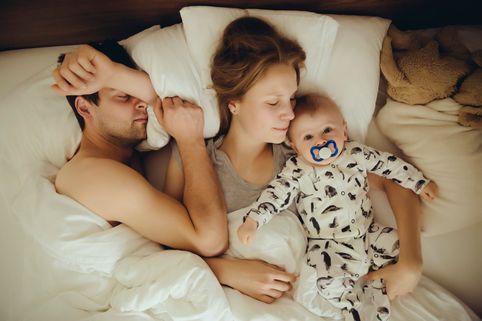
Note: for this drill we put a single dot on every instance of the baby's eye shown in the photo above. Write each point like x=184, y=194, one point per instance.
x=327, y=130
x=308, y=137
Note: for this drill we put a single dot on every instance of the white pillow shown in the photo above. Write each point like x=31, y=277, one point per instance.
x=204, y=27
x=164, y=55
x=346, y=69
x=353, y=73
x=447, y=153
x=281, y=242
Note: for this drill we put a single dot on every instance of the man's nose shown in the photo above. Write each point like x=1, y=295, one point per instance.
x=140, y=104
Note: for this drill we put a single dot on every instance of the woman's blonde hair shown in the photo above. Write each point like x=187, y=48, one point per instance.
x=249, y=46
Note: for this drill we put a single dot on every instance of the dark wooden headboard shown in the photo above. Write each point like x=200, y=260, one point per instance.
x=35, y=23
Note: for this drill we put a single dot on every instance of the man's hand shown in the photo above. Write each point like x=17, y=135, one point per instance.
x=83, y=71
x=260, y=280
x=429, y=192
x=247, y=231
x=400, y=278
x=182, y=120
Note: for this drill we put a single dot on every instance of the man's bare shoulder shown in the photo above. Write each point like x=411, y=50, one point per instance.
x=104, y=186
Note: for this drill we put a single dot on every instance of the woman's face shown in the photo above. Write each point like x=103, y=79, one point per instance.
x=265, y=111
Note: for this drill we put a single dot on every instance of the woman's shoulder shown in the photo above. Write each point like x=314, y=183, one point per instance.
x=283, y=151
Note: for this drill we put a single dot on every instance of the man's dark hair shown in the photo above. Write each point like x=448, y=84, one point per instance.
x=116, y=53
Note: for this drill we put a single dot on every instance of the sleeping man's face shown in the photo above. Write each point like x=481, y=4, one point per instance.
x=119, y=117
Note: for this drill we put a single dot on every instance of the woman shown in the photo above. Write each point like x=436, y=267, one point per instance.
x=255, y=73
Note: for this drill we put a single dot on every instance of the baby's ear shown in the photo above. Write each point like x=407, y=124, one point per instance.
x=345, y=129
x=292, y=145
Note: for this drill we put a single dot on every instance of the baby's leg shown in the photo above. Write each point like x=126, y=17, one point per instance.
x=382, y=248
x=339, y=264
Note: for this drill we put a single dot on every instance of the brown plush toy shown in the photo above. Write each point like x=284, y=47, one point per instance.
x=470, y=95
x=420, y=69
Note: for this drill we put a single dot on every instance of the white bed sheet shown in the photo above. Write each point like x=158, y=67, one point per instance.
x=39, y=285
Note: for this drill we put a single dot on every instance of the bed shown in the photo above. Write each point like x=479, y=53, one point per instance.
x=59, y=261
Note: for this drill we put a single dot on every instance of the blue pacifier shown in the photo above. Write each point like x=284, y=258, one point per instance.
x=320, y=153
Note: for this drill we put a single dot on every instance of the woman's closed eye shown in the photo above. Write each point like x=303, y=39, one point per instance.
x=123, y=97
x=273, y=103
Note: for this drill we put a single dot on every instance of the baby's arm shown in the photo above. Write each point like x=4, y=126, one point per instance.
x=247, y=230
x=430, y=191
x=277, y=197
x=391, y=167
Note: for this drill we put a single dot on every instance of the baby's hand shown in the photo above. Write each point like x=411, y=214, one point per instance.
x=430, y=191
x=247, y=231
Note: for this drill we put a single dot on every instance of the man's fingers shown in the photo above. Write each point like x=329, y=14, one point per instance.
x=167, y=103
x=60, y=81
x=158, y=110
x=274, y=293
x=284, y=276
x=58, y=90
x=71, y=78
x=87, y=65
x=178, y=102
x=266, y=299
x=281, y=286
x=80, y=72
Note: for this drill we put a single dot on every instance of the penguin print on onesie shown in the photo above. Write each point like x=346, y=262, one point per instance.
x=327, y=179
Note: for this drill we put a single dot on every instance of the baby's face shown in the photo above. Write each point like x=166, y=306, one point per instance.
x=309, y=130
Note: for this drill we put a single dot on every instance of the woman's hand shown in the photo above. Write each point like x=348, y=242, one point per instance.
x=260, y=280
x=247, y=231
x=183, y=120
x=83, y=71
x=400, y=278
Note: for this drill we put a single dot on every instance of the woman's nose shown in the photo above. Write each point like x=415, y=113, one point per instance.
x=288, y=113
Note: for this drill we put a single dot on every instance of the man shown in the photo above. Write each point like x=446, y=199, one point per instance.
x=101, y=175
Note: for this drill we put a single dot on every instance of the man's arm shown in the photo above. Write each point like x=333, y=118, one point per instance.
x=117, y=192
x=86, y=71
x=201, y=190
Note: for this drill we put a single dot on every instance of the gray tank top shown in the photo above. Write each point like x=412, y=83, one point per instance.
x=238, y=192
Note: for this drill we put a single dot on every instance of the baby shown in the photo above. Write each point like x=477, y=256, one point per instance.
x=328, y=181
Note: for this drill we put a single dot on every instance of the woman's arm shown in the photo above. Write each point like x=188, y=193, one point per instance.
x=402, y=277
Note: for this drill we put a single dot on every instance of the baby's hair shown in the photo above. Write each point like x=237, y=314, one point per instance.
x=311, y=103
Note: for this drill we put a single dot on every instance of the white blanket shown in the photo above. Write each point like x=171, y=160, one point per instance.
x=73, y=265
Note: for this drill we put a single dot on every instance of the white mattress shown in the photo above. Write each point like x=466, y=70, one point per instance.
x=55, y=292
